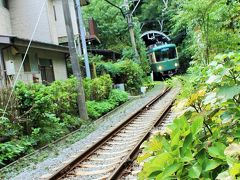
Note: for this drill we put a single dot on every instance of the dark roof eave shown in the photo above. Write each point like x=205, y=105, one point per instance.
x=39, y=45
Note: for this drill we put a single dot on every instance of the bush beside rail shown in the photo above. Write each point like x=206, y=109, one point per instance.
x=48, y=112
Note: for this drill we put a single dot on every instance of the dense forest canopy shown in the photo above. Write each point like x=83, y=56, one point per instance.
x=201, y=28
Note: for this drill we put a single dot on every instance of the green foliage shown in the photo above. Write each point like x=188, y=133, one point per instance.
x=112, y=27
x=131, y=74
x=12, y=149
x=46, y=106
x=97, y=109
x=147, y=82
x=8, y=129
x=118, y=97
x=203, y=143
x=126, y=72
x=99, y=88
x=113, y=31
x=49, y=112
x=212, y=26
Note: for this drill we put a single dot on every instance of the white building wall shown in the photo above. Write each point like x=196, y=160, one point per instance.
x=24, y=15
x=60, y=22
x=17, y=59
x=5, y=24
x=58, y=60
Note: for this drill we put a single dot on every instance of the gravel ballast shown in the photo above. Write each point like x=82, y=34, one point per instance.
x=56, y=160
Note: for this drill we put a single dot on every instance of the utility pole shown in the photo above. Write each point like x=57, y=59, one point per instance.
x=74, y=60
x=81, y=30
x=131, y=28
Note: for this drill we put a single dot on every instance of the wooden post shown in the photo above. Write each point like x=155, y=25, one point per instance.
x=131, y=29
x=74, y=60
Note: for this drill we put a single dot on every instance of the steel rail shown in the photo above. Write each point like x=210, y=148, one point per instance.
x=128, y=160
x=84, y=155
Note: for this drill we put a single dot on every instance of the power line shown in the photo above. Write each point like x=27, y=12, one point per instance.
x=116, y=7
x=25, y=55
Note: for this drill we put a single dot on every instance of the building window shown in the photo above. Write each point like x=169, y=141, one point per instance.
x=26, y=64
x=4, y=3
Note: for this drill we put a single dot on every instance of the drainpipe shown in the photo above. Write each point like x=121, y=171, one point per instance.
x=83, y=36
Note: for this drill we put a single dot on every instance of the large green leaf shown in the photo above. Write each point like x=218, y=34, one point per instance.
x=217, y=150
x=195, y=171
x=196, y=126
x=144, y=157
x=162, y=160
x=226, y=117
x=214, y=79
x=228, y=92
x=187, y=156
x=185, y=151
x=169, y=171
x=212, y=164
x=166, y=145
x=155, y=143
x=175, y=139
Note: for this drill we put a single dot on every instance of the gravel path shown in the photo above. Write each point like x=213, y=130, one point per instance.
x=41, y=170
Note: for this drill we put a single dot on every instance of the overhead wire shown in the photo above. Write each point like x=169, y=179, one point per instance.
x=24, y=57
x=135, y=7
x=116, y=7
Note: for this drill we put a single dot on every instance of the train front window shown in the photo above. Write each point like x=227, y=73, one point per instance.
x=165, y=54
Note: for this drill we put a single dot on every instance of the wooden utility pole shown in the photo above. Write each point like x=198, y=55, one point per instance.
x=131, y=29
x=74, y=60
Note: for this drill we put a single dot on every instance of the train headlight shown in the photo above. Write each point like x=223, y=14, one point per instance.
x=176, y=64
x=160, y=68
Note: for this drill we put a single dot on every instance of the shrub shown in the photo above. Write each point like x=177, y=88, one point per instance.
x=99, y=88
x=97, y=109
x=126, y=71
x=13, y=149
x=46, y=107
x=132, y=75
x=108, y=68
x=49, y=112
x=117, y=97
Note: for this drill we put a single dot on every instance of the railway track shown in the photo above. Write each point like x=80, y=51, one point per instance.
x=108, y=157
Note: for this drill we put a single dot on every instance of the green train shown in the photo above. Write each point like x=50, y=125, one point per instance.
x=164, y=60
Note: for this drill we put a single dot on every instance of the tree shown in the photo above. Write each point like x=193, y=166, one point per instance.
x=113, y=29
x=207, y=24
x=112, y=26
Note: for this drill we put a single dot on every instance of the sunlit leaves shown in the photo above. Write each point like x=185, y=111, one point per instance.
x=217, y=150
x=195, y=171
x=228, y=92
x=235, y=170
x=204, y=143
x=212, y=164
